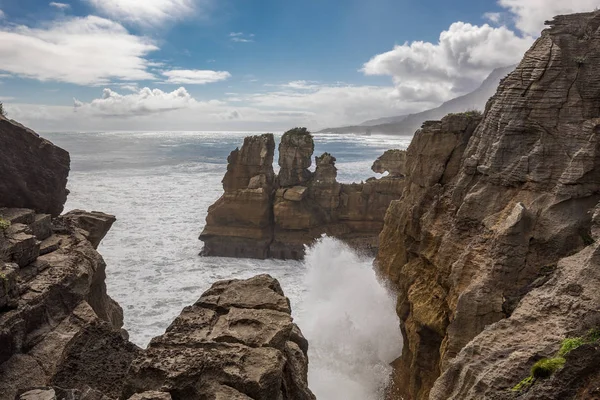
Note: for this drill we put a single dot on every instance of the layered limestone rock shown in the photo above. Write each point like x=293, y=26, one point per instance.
x=238, y=341
x=392, y=161
x=41, y=187
x=295, y=152
x=487, y=214
x=559, y=306
x=57, y=324
x=302, y=207
x=239, y=224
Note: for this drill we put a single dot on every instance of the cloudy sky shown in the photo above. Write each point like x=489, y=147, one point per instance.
x=252, y=64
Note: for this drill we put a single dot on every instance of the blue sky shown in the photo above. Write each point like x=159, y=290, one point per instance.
x=251, y=64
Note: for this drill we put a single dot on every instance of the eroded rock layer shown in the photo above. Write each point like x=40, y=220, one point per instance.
x=488, y=212
x=57, y=324
x=238, y=341
x=279, y=218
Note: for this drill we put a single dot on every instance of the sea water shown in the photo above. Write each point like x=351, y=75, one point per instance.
x=160, y=185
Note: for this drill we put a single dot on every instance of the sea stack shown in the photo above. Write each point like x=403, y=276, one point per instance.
x=264, y=217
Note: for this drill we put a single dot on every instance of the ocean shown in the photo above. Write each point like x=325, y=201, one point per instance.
x=159, y=185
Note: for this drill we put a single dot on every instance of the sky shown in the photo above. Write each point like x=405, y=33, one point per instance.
x=252, y=65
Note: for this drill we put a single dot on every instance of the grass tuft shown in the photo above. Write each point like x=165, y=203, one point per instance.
x=569, y=345
x=4, y=224
x=546, y=367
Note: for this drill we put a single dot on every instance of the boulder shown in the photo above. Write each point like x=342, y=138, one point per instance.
x=94, y=224
x=34, y=170
x=238, y=341
x=295, y=193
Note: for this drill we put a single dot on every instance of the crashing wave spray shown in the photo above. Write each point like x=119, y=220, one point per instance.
x=350, y=322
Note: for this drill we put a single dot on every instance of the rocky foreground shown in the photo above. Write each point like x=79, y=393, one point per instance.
x=493, y=247
x=263, y=215
x=61, y=335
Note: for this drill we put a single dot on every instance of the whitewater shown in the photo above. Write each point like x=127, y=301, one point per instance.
x=160, y=185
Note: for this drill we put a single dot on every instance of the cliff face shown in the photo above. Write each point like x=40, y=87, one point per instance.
x=487, y=215
x=265, y=217
x=61, y=334
x=53, y=296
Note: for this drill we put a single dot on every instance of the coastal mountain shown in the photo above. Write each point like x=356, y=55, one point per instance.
x=408, y=124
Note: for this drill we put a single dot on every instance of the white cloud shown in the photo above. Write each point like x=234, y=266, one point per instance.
x=60, y=6
x=2, y=14
x=85, y=51
x=464, y=55
x=149, y=12
x=306, y=85
x=143, y=102
x=529, y=15
x=494, y=17
x=195, y=77
x=335, y=105
x=241, y=37
x=277, y=110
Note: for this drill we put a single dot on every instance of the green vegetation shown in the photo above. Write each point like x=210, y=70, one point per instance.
x=568, y=345
x=4, y=224
x=524, y=384
x=545, y=367
x=593, y=335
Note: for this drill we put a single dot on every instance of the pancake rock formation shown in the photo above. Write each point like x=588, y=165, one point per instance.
x=61, y=335
x=267, y=216
x=493, y=246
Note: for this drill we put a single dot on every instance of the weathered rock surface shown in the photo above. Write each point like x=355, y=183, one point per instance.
x=238, y=341
x=295, y=156
x=239, y=223
x=279, y=221
x=42, y=187
x=57, y=324
x=392, y=161
x=502, y=355
x=486, y=216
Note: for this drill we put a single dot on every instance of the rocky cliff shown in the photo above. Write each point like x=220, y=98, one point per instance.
x=263, y=216
x=61, y=335
x=34, y=171
x=491, y=246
